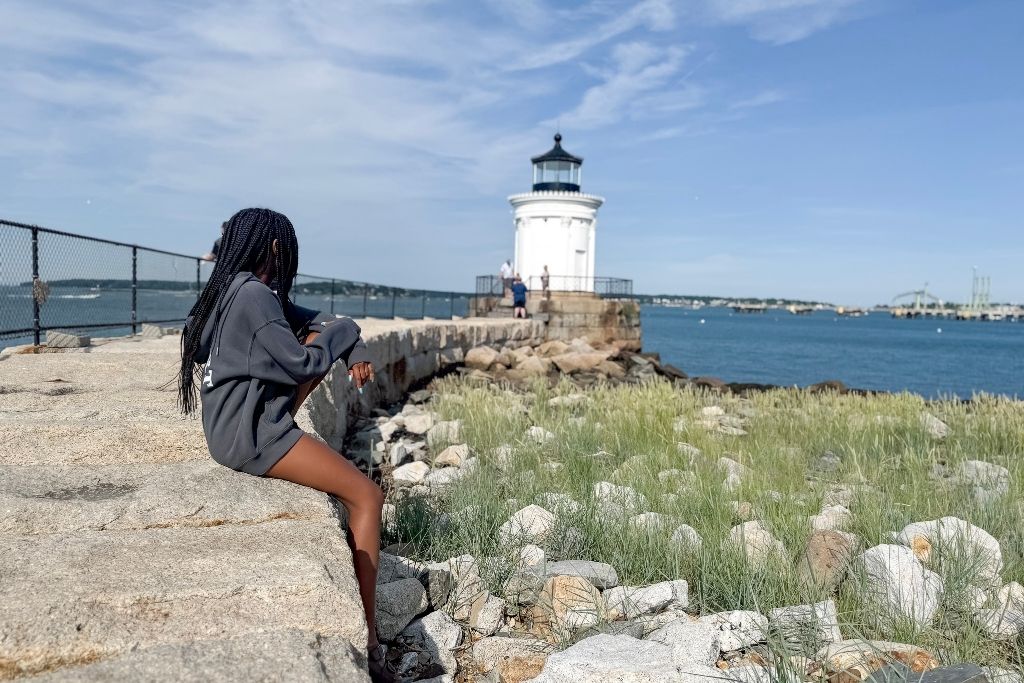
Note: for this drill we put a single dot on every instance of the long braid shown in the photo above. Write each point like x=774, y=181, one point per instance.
x=245, y=246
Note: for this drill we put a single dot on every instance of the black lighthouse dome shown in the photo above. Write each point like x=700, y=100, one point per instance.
x=556, y=169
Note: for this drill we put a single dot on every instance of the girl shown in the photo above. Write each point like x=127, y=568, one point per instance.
x=256, y=373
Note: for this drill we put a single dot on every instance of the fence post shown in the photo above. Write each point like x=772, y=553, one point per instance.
x=451, y=312
x=135, y=287
x=423, y=307
x=332, y=296
x=35, y=285
x=394, y=294
x=366, y=291
x=199, y=278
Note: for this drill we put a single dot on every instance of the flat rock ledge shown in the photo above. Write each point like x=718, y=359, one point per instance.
x=127, y=554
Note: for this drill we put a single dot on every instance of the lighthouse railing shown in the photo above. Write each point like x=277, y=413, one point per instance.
x=605, y=287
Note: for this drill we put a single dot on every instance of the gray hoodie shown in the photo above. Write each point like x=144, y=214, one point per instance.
x=254, y=363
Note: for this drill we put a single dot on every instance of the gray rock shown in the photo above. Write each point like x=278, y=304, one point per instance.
x=539, y=435
x=532, y=524
x=422, y=395
x=398, y=454
x=150, y=331
x=631, y=602
x=468, y=593
x=687, y=537
x=624, y=497
x=490, y=616
x=690, y=641
x=832, y=517
x=453, y=456
x=605, y=658
x=439, y=635
x=440, y=583
x=560, y=503
x=738, y=629
x=61, y=339
x=1000, y=624
x=633, y=629
x=651, y=522
x=901, y=673
x=419, y=423
x=53, y=499
x=955, y=541
x=838, y=494
x=898, y=584
x=805, y=628
x=290, y=654
x=601, y=575
x=735, y=473
x=934, y=427
x=690, y=451
x=997, y=675
x=398, y=603
x=481, y=357
x=756, y=544
x=411, y=474
x=393, y=568
x=990, y=482
x=445, y=477
x=493, y=653
x=155, y=586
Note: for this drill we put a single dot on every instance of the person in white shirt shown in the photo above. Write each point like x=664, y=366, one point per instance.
x=506, y=277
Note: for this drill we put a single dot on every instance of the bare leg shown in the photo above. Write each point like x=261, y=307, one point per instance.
x=314, y=464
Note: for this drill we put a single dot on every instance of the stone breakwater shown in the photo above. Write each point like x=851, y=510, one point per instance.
x=126, y=553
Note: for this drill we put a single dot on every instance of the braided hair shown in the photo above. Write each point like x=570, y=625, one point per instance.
x=246, y=245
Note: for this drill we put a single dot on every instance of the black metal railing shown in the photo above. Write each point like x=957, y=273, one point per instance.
x=50, y=280
x=605, y=287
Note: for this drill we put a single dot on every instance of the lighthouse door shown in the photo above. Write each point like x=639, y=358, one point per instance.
x=580, y=270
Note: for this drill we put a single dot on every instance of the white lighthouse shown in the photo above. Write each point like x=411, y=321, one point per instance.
x=556, y=224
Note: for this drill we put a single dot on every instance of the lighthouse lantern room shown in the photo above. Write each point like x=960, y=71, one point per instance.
x=555, y=224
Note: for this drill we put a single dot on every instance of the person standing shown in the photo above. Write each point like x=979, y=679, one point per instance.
x=545, y=281
x=212, y=255
x=506, y=277
x=519, y=298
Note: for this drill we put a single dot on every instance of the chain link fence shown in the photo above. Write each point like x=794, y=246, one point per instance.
x=54, y=280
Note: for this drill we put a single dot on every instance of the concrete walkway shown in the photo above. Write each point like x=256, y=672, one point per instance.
x=126, y=553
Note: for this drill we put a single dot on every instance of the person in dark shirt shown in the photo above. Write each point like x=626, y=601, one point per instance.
x=215, y=250
x=519, y=298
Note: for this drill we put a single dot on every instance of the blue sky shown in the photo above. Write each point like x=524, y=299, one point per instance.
x=844, y=150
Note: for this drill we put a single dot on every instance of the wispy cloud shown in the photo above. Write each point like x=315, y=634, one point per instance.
x=638, y=83
x=761, y=99
x=777, y=21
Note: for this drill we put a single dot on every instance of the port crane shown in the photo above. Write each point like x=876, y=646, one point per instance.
x=920, y=298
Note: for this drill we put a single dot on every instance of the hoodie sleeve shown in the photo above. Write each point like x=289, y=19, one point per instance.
x=275, y=355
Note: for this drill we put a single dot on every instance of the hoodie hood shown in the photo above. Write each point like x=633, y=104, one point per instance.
x=207, y=343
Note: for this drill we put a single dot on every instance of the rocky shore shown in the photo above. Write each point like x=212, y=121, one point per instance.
x=534, y=609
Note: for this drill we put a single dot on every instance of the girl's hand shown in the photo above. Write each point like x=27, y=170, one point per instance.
x=361, y=373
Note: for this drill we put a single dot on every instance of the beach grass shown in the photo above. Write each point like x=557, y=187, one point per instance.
x=884, y=452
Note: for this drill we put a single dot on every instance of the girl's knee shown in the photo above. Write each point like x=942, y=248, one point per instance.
x=371, y=498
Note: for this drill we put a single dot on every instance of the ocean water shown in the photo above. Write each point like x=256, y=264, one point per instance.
x=68, y=307
x=873, y=352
